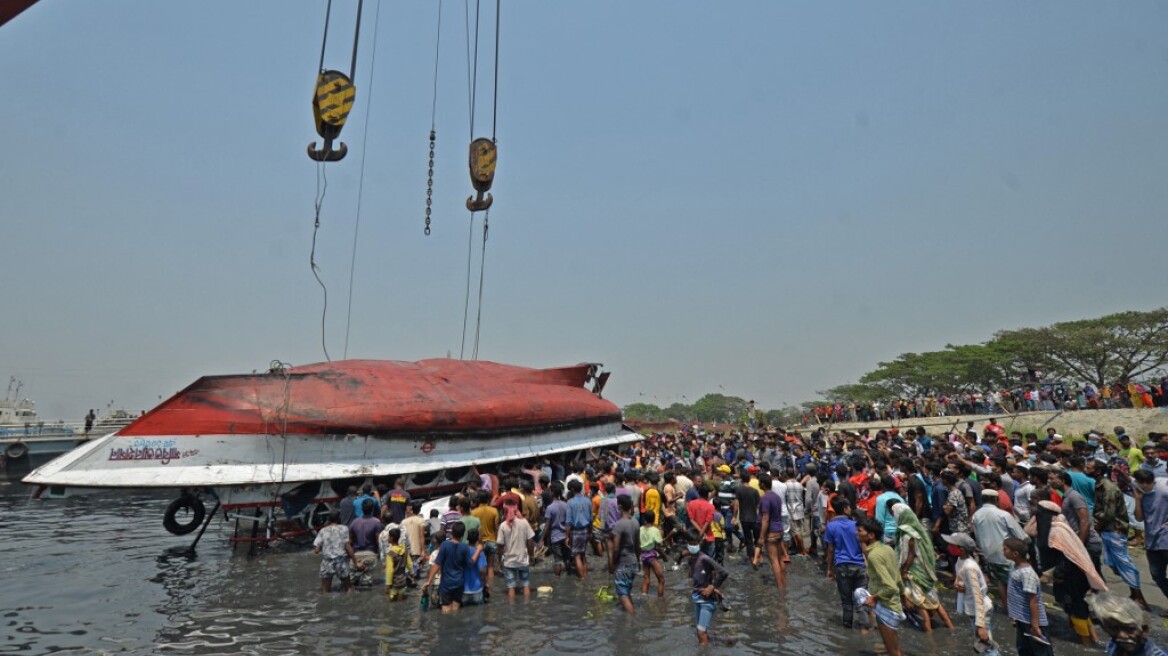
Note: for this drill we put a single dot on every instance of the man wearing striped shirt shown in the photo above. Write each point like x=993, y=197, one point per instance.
x=1024, y=602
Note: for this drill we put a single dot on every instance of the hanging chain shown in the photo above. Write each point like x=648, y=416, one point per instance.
x=430, y=183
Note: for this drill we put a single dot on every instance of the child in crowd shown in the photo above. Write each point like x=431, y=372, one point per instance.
x=472, y=586
x=650, y=538
x=1024, y=602
x=973, y=597
x=708, y=577
x=718, y=526
x=398, y=566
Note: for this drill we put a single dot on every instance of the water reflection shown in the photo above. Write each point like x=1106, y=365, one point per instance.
x=98, y=573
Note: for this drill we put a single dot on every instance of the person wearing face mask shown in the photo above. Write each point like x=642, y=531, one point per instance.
x=1127, y=624
x=708, y=577
x=1152, y=509
x=1152, y=462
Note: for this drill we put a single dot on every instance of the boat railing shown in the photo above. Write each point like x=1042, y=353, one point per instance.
x=59, y=428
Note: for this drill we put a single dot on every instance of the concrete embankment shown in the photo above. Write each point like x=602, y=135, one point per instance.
x=1070, y=423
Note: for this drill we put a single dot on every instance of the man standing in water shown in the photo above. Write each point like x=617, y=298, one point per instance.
x=453, y=559
x=517, y=539
x=883, y=593
x=577, y=525
x=624, y=552
x=845, y=558
x=335, y=551
x=771, y=531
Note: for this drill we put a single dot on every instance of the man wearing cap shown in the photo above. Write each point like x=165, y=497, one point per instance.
x=991, y=526
x=974, y=598
x=1135, y=457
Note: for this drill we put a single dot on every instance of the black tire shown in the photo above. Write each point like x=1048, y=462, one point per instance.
x=16, y=451
x=191, y=504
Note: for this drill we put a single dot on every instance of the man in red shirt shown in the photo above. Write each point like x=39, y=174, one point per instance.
x=701, y=517
x=995, y=427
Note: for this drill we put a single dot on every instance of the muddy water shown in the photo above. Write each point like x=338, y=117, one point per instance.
x=99, y=574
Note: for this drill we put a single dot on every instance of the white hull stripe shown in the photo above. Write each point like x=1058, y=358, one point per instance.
x=216, y=460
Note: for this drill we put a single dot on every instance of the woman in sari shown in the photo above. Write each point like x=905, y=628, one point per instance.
x=918, y=567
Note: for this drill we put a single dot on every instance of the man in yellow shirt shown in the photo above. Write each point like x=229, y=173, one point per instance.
x=488, y=518
x=1135, y=457
x=651, y=499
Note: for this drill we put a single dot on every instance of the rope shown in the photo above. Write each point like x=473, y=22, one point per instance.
x=495, y=93
x=361, y=179
x=469, y=83
x=324, y=39
x=437, y=44
x=320, y=193
x=466, y=302
x=482, y=266
x=356, y=36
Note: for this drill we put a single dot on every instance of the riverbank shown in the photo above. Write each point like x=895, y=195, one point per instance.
x=1070, y=423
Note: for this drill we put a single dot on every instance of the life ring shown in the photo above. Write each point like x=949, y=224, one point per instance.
x=187, y=503
x=16, y=451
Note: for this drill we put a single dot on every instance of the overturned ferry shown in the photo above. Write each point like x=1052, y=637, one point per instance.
x=277, y=450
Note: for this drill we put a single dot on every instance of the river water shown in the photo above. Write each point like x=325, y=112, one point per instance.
x=100, y=575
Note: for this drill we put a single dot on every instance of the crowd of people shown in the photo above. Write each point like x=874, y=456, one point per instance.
x=887, y=515
x=1029, y=398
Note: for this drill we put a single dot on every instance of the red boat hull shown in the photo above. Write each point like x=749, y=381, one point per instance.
x=382, y=398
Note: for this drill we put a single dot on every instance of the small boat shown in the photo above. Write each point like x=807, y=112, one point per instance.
x=295, y=438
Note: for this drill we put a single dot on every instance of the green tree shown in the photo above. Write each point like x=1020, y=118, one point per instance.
x=643, y=411
x=719, y=407
x=855, y=392
x=679, y=412
x=1115, y=348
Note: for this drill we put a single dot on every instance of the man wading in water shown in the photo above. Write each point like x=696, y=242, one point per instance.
x=624, y=552
x=336, y=553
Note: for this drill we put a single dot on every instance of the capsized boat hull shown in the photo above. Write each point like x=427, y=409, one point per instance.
x=346, y=419
x=221, y=460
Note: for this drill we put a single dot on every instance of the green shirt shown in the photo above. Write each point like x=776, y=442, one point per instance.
x=1135, y=458
x=883, y=575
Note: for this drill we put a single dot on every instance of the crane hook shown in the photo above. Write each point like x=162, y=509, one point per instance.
x=331, y=105
x=483, y=156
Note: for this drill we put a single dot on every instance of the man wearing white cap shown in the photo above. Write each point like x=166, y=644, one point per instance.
x=991, y=526
x=973, y=597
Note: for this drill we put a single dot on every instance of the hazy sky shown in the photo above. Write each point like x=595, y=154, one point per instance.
x=762, y=197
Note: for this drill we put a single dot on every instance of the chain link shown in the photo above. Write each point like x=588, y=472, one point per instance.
x=430, y=183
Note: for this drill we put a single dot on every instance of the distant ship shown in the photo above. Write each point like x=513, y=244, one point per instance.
x=27, y=441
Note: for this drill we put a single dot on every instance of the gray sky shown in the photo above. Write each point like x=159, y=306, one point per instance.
x=764, y=196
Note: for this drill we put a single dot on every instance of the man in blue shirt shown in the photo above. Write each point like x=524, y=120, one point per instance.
x=358, y=503
x=556, y=515
x=453, y=559
x=845, y=558
x=1152, y=509
x=577, y=525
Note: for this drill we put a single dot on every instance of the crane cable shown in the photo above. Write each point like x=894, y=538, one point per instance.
x=322, y=176
x=361, y=178
x=472, y=73
x=433, y=125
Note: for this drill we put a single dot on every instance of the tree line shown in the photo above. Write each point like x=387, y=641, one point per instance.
x=1116, y=348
